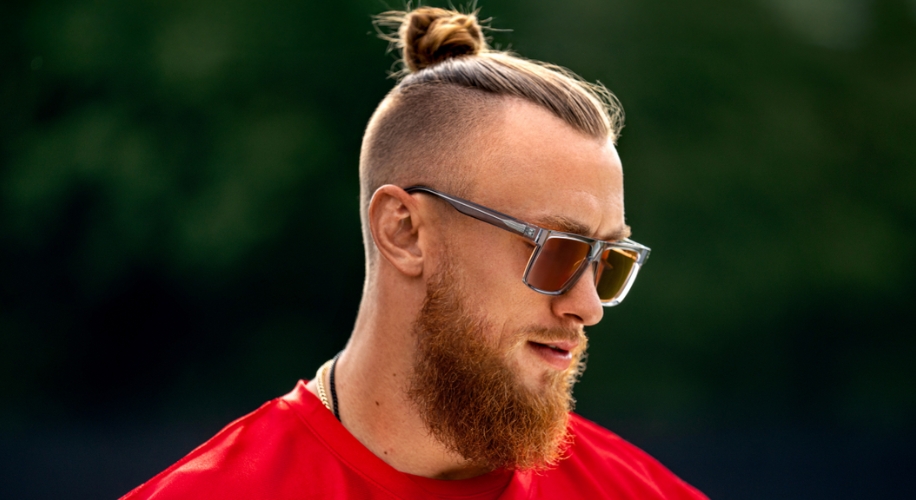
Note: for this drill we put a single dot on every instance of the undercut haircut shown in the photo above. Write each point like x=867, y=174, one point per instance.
x=452, y=87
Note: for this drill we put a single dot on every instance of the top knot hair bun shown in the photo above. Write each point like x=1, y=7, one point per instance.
x=429, y=35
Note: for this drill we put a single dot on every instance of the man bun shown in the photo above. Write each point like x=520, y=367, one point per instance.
x=430, y=35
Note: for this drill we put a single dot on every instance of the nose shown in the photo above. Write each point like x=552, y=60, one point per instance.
x=580, y=303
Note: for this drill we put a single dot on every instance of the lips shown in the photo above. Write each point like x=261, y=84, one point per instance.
x=557, y=354
x=560, y=345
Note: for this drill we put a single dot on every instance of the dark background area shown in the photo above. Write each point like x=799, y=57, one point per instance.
x=179, y=234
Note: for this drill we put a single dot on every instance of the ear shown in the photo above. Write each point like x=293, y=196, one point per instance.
x=394, y=221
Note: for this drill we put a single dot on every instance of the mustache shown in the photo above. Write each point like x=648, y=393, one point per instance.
x=544, y=335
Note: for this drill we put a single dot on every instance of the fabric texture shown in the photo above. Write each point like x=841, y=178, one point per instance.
x=294, y=448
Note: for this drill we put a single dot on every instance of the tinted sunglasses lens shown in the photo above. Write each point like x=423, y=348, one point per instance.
x=556, y=263
x=612, y=272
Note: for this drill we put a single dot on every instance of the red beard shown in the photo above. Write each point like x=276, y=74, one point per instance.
x=472, y=401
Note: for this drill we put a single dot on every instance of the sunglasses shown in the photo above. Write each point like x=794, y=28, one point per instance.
x=559, y=259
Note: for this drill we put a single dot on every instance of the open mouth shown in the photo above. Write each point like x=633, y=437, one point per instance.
x=552, y=347
x=557, y=355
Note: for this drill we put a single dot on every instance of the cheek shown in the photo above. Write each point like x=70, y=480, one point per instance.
x=491, y=268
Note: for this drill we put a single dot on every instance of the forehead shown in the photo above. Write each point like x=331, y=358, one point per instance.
x=534, y=166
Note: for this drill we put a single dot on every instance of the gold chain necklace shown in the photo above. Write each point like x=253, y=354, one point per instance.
x=319, y=379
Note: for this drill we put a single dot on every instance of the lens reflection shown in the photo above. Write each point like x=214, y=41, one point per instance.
x=557, y=262
x=612, y=271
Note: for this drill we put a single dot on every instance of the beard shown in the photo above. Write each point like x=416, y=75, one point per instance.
x=469, y=396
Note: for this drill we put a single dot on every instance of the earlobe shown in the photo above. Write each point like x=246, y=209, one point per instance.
x=394, y=224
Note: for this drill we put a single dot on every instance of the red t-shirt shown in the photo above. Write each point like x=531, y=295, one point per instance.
x=294, y=448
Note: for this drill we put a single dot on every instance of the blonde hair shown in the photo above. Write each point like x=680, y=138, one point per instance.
x=450, y=84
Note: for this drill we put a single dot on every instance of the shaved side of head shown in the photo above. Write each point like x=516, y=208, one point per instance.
x=423, y=135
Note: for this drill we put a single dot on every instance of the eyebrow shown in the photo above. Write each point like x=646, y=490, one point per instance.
x=567, y=225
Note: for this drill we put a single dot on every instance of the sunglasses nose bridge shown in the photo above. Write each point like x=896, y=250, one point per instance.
x=593, y=261
x=596, y=251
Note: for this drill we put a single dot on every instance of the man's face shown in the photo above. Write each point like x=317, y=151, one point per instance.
x=483, y=334
x=538, y=169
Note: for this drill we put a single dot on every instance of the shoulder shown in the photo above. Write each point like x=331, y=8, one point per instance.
x=242, y=460
x=607, y=466
x=207, y=464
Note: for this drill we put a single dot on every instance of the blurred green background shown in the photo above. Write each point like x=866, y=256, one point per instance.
x=179, y=234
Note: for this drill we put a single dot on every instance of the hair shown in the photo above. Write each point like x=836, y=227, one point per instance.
x=451, y=85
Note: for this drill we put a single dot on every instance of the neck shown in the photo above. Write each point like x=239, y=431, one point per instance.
x=372, y=378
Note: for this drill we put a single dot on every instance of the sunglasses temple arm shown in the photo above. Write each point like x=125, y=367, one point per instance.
x=506, y=222
x=484, y=214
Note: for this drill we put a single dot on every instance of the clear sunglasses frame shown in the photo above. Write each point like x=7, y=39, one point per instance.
x=539, y=236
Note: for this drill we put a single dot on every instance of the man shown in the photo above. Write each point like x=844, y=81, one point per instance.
x=456, y=381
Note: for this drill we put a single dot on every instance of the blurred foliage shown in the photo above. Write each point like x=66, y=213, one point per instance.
x=179, y=233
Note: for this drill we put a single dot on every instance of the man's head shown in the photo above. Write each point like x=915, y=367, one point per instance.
x=494, y=360
x=437, y=118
